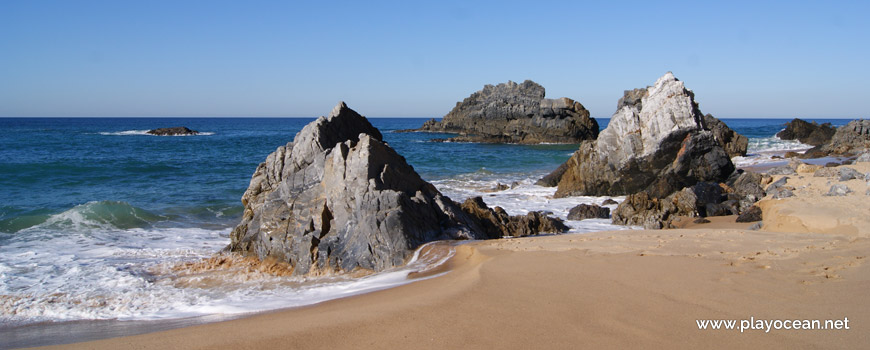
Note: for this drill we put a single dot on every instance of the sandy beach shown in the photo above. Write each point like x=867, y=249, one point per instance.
x=601, y=290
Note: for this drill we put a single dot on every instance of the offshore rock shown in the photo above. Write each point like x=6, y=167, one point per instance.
x=850, y=138
x=807, y=133
x=173, y=131
x=515, y=113
x=338, y=199
x=657, y=141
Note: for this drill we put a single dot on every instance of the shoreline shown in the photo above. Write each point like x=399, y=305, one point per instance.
x=625, y=247
x=609, y=289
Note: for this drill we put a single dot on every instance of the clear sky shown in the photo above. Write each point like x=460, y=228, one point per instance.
x=291, y=58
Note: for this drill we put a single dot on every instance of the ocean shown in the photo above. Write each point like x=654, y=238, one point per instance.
x=96, y=215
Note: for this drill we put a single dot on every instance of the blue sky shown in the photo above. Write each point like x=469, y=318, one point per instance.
x=385, y=59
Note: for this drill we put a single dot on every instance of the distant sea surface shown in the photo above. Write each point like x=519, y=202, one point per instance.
x=89, y=207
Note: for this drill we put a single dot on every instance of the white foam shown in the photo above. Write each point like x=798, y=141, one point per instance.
x=762, y=151
x=525, y=196
x=145, y=133
x=87, y=273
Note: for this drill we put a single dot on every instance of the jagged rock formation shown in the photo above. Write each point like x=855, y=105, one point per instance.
x=703, y=199
x=173, y=131
x=733, y=143
x=516, y=113
x=338, y=199
x=850, y=138
x=497, y=223
x=657, y=141
x=807, y=133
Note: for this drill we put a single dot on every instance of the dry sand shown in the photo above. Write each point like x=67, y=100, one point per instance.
x=601, y=290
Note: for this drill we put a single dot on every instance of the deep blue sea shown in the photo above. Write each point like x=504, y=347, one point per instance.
x=93, y=209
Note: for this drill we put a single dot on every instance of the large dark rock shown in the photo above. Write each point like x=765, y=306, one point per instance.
x=338, y=199
x=173, y=131
x=656, y=142
x=733, y=143
x=516, y=113
x=588, y=211
x=807, y=133
x=853, y=137
x=701, y=200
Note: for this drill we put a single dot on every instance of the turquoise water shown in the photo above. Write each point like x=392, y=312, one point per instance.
x=91, y=208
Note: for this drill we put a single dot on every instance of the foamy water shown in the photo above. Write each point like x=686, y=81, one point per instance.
x=90, y=271
x=101, y=260
x=145, y=133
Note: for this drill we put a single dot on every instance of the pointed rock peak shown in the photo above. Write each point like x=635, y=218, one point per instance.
x=669, y=76
x=339, y=108
x=341, y=125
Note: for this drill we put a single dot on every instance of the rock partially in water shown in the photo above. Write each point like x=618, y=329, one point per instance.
x=338, y=199
x=173, y=131
x=588, y=211
x=515, y=113
x=497, y=223
x=807, y=133
x=657, y=141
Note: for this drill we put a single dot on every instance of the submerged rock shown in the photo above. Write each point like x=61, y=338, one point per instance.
x=338, y=199
x=173, y=131
x=516, y=113
x=657, y=141
x=807, y=133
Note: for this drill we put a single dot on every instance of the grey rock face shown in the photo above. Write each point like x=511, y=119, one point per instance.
x=338, y=199
x=864, y=157
x=777, y=184
x=847, y=173
x=838, y=190
x=516, y=113
x=588, y=211
x=655, y=142
x=173, y=131
x=850, y=138
x=807, y=133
